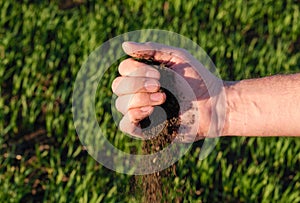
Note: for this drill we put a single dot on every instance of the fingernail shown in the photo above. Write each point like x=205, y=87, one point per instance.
x=151, y=85
x=156, y=96
x=152, y=74
x=146, y=108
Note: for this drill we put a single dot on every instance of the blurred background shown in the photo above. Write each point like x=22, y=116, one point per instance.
x=42, y=47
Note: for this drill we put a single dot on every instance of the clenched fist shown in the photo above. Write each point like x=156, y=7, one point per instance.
x=138, y=90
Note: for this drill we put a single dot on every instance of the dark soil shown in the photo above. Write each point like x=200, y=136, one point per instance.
x=162, y=132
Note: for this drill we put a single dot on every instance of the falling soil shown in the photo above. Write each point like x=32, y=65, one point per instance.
x=161, y=132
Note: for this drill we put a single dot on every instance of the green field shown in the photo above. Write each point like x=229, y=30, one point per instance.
x=43, y=47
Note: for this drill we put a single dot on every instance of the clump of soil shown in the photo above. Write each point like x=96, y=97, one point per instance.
x=162, y=131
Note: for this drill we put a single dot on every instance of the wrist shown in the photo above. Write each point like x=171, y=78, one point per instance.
x=235, y=119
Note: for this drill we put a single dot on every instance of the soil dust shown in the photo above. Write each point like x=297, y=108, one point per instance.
x=161, y=132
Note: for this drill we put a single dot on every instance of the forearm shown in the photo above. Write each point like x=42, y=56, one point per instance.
x=267, y=106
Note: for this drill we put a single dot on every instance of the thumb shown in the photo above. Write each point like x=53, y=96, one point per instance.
x=167, y=55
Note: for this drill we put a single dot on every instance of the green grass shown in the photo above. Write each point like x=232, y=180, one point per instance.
x=41, y=50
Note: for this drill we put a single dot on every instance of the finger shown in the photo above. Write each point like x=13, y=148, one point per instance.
x=173, y=57
x=131, y=101
x=129, y=127
x=137, y=114
x=131, y=67
x=131, y=85
x=161, y=53
x=130, y=122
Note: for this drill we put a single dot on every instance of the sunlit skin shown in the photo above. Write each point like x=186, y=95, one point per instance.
x=256, y=107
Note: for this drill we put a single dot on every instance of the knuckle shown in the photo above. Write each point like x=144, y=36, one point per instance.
x=115, y=84
x=126, y=126
x=123, y=66
x=149, y=43
x=138, y=84
x=128, y=67
x=135, y=101
x=122, y=125
x=120, y=105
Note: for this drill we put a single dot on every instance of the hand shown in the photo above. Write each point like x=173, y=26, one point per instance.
x=137, y=89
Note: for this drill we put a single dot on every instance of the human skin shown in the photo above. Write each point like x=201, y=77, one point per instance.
x=268, y=106
x=256, y=107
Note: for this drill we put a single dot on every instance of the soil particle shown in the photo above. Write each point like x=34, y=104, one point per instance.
x=162, y=132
